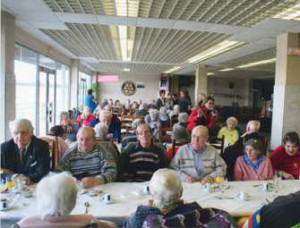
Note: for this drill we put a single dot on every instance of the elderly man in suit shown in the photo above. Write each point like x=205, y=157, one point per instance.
x=25, y=155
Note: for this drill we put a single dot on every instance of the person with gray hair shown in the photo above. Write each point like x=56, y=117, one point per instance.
x=111, y=120
x=88, y=161
x=229, y=132
x=152, y=120
x=198, y=161
x=70, y=128
x=253, y=165
x=56, y=198
x=101, y=130
x=167, y=209
x=232, y=152
x=25, y=155
x=180, y=134
x=131, y=137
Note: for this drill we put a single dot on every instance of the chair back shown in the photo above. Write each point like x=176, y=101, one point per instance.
x=53, y=150
x=126, y=122
x=217, y=143
x=177, y=144
x=165, y=134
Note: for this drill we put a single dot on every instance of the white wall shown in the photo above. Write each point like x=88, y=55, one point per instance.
x=113, y=89
x=224, y=96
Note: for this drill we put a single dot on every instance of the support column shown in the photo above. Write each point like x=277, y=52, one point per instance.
x=286, y=104
x=200, y=82
x=74, y=83
x=8, y=79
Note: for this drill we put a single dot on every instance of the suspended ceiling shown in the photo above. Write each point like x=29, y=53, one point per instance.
x=160, y=34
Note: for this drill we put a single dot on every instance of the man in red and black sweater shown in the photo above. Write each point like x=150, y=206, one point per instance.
x=140, y=160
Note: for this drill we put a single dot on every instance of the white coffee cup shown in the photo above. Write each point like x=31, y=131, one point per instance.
x=107, y=198
x=4, y=204
x=147, y=190
x=208, y=187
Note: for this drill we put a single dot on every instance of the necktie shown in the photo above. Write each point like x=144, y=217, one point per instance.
x=22, y=154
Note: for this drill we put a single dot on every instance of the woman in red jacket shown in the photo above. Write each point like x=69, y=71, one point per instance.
x=203, y=115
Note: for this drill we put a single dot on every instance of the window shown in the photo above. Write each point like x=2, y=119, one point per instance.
x=26, y=83
x=85, y=82
x=42, y=89
x=62, y=90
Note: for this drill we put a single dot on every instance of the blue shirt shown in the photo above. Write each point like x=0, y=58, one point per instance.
x=89, y=101
x=198, y=159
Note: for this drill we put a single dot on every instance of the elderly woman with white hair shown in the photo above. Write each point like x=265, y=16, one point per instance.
x=230, y=133
x=232, y=152
x=24, y=154
x=167, y=209
x=56, y=198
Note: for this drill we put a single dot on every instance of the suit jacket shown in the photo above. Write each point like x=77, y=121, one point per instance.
x=36, y=162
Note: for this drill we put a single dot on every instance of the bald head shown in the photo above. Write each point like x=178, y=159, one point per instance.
x=199, y=137
x=86, y=139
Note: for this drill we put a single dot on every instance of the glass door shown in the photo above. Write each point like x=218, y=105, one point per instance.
x=46, y=100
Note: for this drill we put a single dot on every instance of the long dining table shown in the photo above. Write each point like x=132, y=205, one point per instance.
x=125, y=197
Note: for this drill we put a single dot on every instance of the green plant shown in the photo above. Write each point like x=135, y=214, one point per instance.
x=94, y=87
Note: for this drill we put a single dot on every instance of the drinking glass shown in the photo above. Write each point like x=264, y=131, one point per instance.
x=276, y=179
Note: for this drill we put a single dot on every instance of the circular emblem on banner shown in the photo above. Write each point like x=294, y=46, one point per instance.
x=128, y=88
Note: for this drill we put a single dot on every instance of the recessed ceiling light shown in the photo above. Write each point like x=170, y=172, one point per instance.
x=126, y=69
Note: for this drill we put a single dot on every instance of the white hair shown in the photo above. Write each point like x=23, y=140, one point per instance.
x=105, y=113
x=101, y=130
x=232, y=118
x=87, y=128
x=56, y=195
x=254, y=125
x=202, y=128
x=165, y=187
x=21, y=122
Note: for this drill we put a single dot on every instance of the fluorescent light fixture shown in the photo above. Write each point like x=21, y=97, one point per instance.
x=126, y=69
x=292, y=13
x=262, y=62
x=216, y=50
x=210, y=73
x=173, y=69
x=226, y=69
x=126, y=8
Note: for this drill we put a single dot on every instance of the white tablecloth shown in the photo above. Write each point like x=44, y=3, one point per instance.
x=127, y=196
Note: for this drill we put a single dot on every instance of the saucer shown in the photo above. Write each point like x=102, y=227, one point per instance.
x=7, y=208
x=92, y=193
x=245, y=198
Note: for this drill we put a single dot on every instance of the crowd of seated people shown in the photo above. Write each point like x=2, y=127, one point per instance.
x=93, y=158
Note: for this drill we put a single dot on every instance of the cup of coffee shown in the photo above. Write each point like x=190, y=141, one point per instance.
x=147, y=190
x=107, y=198
x=3, y=204
x=208, y=187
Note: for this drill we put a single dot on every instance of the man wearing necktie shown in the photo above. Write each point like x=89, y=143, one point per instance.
x=25, y=154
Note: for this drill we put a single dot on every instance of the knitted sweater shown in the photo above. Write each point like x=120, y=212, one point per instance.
x=184, y=162
x=97, y=163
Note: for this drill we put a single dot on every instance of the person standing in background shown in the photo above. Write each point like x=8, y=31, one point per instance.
x=90, y=100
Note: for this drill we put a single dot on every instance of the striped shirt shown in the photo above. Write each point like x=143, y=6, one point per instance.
x=97, y=163
x=139, y=163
